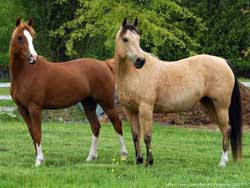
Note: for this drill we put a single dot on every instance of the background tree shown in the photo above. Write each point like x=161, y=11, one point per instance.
x=49, y=15
x=9, y=11
x=172, y=29
x=168, y=30
x=228, y=30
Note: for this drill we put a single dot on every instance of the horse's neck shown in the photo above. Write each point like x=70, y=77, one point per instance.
x=123, y=66
x=120, y=66
x=18, y=67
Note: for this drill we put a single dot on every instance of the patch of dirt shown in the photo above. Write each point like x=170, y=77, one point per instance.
x=196, y=116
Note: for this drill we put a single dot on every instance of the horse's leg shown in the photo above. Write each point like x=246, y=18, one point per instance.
x=220, y=116
x=117, y=124
x=135, y=129
x=35, y=115
x=25, y=114
x=89, y=106
x=223, y=119
x=146, y=120
x=209, y=108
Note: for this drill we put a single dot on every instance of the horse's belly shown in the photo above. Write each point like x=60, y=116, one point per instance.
x=169, y=108
x=63, y=100
x=57, y=104
x=177, y=102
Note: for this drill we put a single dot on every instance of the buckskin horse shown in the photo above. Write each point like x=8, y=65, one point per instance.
x=146, y=84
x=37, y=84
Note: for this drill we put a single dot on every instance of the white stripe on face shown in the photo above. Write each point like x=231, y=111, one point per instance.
x=30, y=43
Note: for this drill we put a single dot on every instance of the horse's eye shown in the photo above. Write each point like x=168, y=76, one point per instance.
x=20, y=39
x=125, y=39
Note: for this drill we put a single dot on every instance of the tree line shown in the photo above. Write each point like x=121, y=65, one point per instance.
x=170, y=29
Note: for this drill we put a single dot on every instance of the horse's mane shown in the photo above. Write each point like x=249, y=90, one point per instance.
x=151, y=57
x=42, y=58
x=128, y=27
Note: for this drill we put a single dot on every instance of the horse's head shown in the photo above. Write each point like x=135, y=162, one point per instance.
x=128, y=44
x=21, y=44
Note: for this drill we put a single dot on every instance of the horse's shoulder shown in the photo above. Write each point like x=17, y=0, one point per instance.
x=111, y=65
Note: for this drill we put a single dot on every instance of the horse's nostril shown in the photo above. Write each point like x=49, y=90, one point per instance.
x=139, y=63
x=140, y=60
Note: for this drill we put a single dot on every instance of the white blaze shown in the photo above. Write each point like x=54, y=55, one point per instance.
x=30, y=43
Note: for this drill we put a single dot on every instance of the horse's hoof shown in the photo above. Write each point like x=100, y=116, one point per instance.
x=139, y=160
x=124, y=156
x=91, y=157
x=222, y=164
x=149, y=162
x=39, y=162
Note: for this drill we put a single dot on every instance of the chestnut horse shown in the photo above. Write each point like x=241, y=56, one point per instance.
x=37, y=84
x=146, y=84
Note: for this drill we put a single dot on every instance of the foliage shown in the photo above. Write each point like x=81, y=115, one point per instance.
x=171, y=29
x=9, y=11
x=168, y=30
x=49, y=15
x=183, y=158
x=242, y=67
x=228, y=23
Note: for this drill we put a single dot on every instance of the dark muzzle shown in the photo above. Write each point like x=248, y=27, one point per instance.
x=139, y=63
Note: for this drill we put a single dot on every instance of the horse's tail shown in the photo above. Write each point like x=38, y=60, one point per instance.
x=235, y=117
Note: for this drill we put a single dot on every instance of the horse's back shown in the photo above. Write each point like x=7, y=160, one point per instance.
x=212, y=68
x=219, y=77
x=183, y=83
x=90, y=69
x=97, y=73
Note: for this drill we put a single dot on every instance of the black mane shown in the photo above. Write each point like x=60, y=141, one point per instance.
x=128, y=27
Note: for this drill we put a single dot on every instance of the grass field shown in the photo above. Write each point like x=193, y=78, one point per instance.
x=183, y=158
x=4, y=91
x=241, y=79
x=7, y=103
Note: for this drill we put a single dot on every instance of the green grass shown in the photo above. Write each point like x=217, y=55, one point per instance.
x=4, y=91
x=4, y=80
x=244, y=79
x=7, y=103
x=183, y=157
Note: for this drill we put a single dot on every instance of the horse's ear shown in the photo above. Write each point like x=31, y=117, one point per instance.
x=124, y=22
x=136, y=22
x=18, y=21
x=30, y=23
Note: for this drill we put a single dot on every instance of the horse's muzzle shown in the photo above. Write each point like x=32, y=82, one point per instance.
x=31, y=58
x=139, y=63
